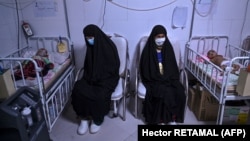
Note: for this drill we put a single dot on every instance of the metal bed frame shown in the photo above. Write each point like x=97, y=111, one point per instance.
x=57, y=94
x=195, y=48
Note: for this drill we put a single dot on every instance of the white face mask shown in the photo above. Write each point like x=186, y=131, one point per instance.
x=91, y=41
x=160, y=41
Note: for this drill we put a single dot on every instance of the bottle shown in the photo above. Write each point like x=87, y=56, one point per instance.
x=26, y=112
x=61, y=46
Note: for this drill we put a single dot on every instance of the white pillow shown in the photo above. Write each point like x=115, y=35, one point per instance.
x=29, y=54
x=60, y=58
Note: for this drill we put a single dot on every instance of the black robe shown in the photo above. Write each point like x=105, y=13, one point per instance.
x=165, y=95
x=91, y=95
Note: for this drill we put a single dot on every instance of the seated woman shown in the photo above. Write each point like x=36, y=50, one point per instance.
x=41, y=58
x=221, y=62
x=165, y=96
x=91, y=95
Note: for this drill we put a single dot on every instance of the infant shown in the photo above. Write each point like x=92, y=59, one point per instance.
x=221, y=62
x=41, y=58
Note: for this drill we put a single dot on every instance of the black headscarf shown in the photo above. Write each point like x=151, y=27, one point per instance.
x=165, y=96
x=149, y=66
x=102, y=60
x=91, y=95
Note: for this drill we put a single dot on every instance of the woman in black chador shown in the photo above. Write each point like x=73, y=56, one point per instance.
x=165, y=97
x=91, y=95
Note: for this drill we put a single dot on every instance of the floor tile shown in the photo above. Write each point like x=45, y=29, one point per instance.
x=113, y=129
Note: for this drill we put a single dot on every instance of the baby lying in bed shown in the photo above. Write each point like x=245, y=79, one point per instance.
x=221, y=62
x=42, y=61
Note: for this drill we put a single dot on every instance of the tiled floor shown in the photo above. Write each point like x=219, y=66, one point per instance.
x=113, y=129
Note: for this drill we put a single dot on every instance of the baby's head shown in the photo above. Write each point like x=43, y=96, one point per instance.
x=42, y=52
x=211, y=54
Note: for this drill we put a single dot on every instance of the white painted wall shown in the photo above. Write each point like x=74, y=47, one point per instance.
x=8, y=27
x=227, y=17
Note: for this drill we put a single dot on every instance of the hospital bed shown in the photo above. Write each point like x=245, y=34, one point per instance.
x=220, y=83
x=55, y=87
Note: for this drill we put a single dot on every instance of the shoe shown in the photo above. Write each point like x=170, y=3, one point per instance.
x=83, y=127
x=94, y=128
x=172, y=123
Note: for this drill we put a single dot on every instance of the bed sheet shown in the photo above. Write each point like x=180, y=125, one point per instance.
x=209, y=70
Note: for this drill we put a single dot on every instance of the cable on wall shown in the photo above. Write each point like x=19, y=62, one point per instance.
x=18, y=25
x=212, y=4
x=104, y=12
x=134, y=9
x=116, y=4
x=25, y=4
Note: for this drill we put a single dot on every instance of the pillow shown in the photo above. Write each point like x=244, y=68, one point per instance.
x=202, y=58
x=29, y=53
x=59, y=58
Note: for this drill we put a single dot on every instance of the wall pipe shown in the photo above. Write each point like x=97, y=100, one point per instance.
x=192, y=20
x=66, y=18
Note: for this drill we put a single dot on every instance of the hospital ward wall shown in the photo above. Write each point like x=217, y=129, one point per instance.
x=131, y=19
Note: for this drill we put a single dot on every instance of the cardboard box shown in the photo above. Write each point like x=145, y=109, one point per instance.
x=191, y=98
x=243, y=86
x=205, y=105
x=206, y=108
x=6, y=85
x=236, y=114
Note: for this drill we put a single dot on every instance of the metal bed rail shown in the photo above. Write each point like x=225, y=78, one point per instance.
x=57, y=94
x=58, y=99
x=194, y=63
